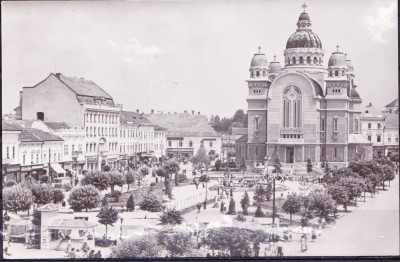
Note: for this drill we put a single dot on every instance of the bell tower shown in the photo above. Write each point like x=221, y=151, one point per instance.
x=258, y=85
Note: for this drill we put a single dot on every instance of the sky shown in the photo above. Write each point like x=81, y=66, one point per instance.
x=173, y=56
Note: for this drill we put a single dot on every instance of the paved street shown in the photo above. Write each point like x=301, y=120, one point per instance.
x=369, y=230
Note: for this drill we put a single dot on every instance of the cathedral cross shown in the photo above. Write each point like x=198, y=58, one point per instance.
x=304, y=7
x=274, y=58
x=259, y=49
x=337, y=48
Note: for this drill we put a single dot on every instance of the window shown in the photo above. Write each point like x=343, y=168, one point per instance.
x=336, y=73
x=292, y=99
x=256, y=151
x=211, y=144
x=190, y=143
x=73, y=148
x=8, y=153
x=44, y=158
x=294, y=60
x=37, y=158
x=378, y=138
x=256, y=124
x=13, y=152
x=31, y=158
x=65, y=149
x=356, y=126
x=323, y=124
x=389, y=139
x=369, y=138
x=308, y=60
x=55, y=157
x=288, y=60
x=316, y=61
x=263, y=73
x=323, y=152
x=301, y=60
x=335, y=125
x=379, y=125
x=397, y=139
x=169, y=143
x=335, y=152
x=330, y=73
x=252, y=74
x=23, y=159
x=369, y=125
x=342, y=72
x=257, y=73
x=180, y=143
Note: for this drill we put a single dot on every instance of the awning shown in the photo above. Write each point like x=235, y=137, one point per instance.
x=358, y=139
x=81, y=160
x=72, y=171
x=57, y=168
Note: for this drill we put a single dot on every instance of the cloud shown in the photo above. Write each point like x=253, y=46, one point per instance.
x=135, y=46
x=383, y=21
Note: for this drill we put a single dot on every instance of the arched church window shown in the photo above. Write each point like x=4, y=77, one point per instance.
x=264, y=73
x=294, y=60
x=292, y=103
x=330, y=72
x=336, y=73
x=308, y=60
x=301, y=60
x=252, y=74
x=257, y=73
x=342, y=72
x=320, y=60
x=315, y=60
x=288, y=60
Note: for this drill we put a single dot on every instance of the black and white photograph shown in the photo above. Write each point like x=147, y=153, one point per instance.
x=257, y=129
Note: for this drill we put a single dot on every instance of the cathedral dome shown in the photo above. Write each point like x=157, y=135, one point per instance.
x=337, y=59
x=303, y=38
x=259, y=60
x=304, y=16
x=274, y=67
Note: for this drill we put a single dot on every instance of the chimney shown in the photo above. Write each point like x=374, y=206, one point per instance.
x=192, y=112
x=137, y=111
x=185, y=112
x=152, y=111
x=58, y=75
x=198, y=113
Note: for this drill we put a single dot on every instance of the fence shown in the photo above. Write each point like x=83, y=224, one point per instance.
x=191, y=201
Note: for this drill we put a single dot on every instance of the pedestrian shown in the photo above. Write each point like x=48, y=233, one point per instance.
x=69, y=245
x=279, y=249
x=197, y=184
x=198, y=207
x=222, y=207
x=231, y=192
x=256, y=248
x=303, y=243
x=273, y=249
x=218, y=191
x=205, y=204
x=98, y=254
x=60, y=239
x=91, y=254
x=313, y=235
x=290, y=236
x=72, y=253
x=85, y=248
x=204, y=185
x=267, y=250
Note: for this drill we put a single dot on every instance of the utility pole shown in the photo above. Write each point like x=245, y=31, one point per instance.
x=273, y=201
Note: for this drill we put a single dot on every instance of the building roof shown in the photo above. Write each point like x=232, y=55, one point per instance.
x=9, y=127
x=83, y=87
x=243, y=138
x=185, y=124
x=259, y=60
x=159, y=128
x=371, y=112
x=354, y=93
x=337, y=59
x=33, y=134
x=57, y=125
x=49, y=207
x=128, y=116
x=392, y=121
x=358, y=139
x=317, y=87
x=394, y=103
x=71, y=223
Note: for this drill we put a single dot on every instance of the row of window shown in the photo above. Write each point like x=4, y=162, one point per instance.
x=379, y=139
x=337, y=72
x=56, y=157
x=72, y=148
x=291, y=136
x=101, y=118
x=293, y=60
x=335, y=90
x=9, y=152
x=257, y=91
x=190, y=143
x=264, y=73
x=335, y=124
x=101, y=131
x=379, y=125
x=137, y=148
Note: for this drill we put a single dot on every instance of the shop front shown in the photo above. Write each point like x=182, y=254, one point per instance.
x=91, y=163
x=12, y=172
x=59, y=175
x=26, y=172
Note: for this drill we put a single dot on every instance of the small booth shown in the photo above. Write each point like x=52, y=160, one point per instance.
x=60, y=175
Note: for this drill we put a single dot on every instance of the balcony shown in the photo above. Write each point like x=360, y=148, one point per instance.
x=291, y=130
x=282, y=140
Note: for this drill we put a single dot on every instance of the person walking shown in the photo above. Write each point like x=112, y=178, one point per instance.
x=60, y=239
x=198, y=207
x=303, y=243
x=313, y=235
x=205, y=204
x=69, y=245
x=222, y=207
x=279, y=249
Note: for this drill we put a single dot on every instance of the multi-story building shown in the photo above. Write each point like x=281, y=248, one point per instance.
x=79, y=103
x=391, y=134
x=392, y=107
x=160, y=141
x=304, y=110
x=10, y=146
x=372, y=127
x=186, y=133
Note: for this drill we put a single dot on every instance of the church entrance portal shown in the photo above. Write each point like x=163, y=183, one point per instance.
x=289, y=155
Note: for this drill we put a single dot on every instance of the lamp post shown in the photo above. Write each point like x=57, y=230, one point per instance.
x=273, y=200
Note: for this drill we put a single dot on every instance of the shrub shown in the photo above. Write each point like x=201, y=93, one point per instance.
x=151, y=203
x=44, y=179
x=115, y=194
x=143, y=247
x=152, y=184
x=84, y=197
x=104, y=242
x=182, y=178
x=203, y=178
x=58, y=196
x=106, y=168
x=232, y=208
x=259, y=212
x=171, y=217
x=10, y=183
x=130, y=204
x=240, y=218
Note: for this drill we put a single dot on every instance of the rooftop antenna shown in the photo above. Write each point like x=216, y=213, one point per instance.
x=304, y=7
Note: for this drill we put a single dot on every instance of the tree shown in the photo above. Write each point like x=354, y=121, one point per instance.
x=142, y=247
x=176, y=243
x=150, y=203
x=171, y=166
x=143, y=171
x=245, y=202
x=309, y=166
x=321, y=201
x=37, y=218
x=292, y=205
x=268, y=191
x=388, y=174
x=354, y=186
x=107, y=216
x=277, y=166
x=116, y=179
x=42, y=193
x=171, y=217
x=201, y=159
x=99, y=180
x=58, y=196
x=239, y=116
x=259, y=195
x=17, y=198
x=130, y=204
x=243, y=165
x=232, y=208
x=340, y=194
x=217, y=164
x=235, y=240
x=129, y=178
x=84, y=197
x=259, y=212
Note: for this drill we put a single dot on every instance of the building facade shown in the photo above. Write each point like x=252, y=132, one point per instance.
x=10, y=146
x=372, y=127
x=304, y=110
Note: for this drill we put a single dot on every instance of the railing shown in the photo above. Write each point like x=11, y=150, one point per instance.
x=291, y=140
x=192, y=201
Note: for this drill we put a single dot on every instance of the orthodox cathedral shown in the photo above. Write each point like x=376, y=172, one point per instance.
x=303, y=110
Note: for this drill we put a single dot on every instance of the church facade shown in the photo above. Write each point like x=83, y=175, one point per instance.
x=302, y=110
